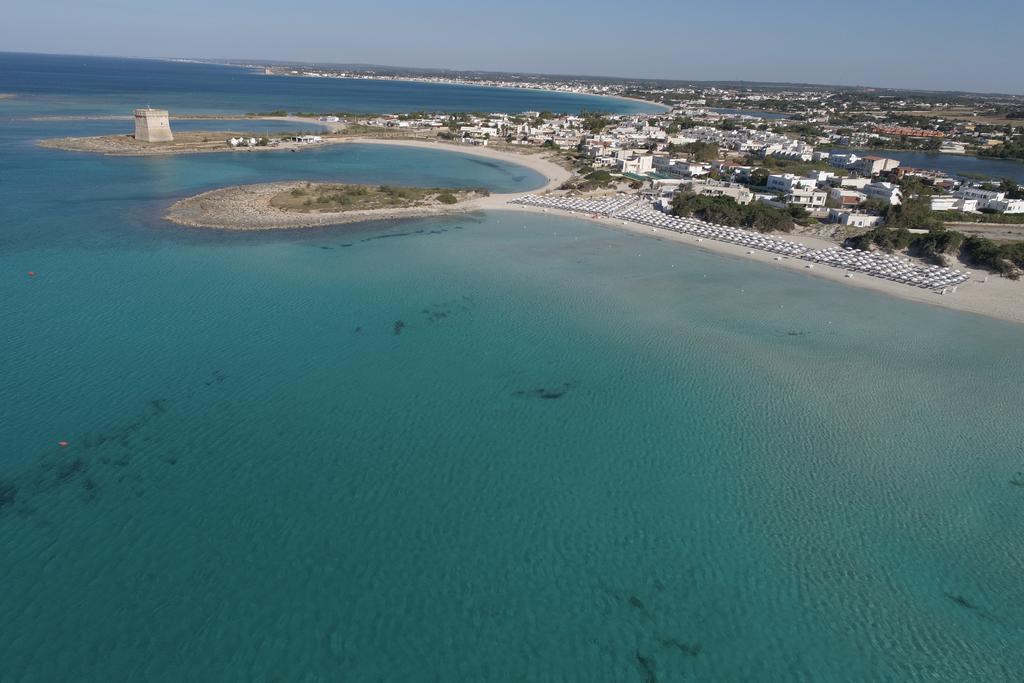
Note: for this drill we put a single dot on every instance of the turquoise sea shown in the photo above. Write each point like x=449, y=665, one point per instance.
x=493, y=447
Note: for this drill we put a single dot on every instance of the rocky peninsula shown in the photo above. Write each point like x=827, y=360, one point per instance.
x=300, y=204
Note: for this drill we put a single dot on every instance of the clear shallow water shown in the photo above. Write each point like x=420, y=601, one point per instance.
x=75, y=85
x=493, y=447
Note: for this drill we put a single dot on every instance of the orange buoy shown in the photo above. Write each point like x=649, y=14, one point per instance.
x=63, y=444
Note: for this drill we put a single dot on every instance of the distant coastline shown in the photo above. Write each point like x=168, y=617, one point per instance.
x=405, y=79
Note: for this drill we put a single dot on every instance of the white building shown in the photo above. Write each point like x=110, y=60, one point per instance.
x=711, y=188
x=948, y=202
x=854, y=183
x=845, y=197
x=809, y=199
x=886, y=192
x=1006, y=205
x=842, y=159
x=990, y=200
x=852, y=218
x=979, y=194
x=791, y=149
x=638, y=165
x=787, y=182
x=820, y=176
x=872, y=166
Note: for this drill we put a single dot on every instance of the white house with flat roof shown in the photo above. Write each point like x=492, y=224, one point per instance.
x=948, y=202
x=886, y=192
x=980, y=194
x=638, y=165
x=990, y=200
x=787, y=182
x=809, y=199
x=1006, y=205
x=854, y=183
x=842, y=159
x=872, y=166
x=712, y=188
x=846, y=197
x=852, y=218
x=820, y=176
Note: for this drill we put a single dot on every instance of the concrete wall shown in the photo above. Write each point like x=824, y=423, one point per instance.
x=152, y=125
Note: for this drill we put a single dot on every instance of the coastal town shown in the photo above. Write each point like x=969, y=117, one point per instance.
x=688, y=167
x=770, y=175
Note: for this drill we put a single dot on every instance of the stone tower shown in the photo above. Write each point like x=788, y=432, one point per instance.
x=152, y=125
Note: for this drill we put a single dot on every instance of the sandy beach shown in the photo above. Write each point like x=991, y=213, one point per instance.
x=985, y=293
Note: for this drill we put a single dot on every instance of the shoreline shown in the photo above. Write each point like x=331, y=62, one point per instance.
x=997, y=297
x=553, y=173
x=985, y=294
x=665, y=107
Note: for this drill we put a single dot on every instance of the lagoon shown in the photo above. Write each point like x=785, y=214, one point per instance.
x=952, y=164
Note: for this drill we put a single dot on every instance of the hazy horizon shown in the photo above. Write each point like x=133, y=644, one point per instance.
x=876, y=44
x=239, y=61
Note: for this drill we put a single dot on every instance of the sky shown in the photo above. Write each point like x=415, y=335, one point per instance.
x=936, y=45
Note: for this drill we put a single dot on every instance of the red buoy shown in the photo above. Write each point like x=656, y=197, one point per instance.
x=62, y=444
x=31, y=273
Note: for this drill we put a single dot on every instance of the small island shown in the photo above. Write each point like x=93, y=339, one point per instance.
x=190, y=142
x=303, y=204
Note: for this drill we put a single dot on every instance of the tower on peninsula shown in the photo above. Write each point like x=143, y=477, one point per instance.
x=152, y=125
